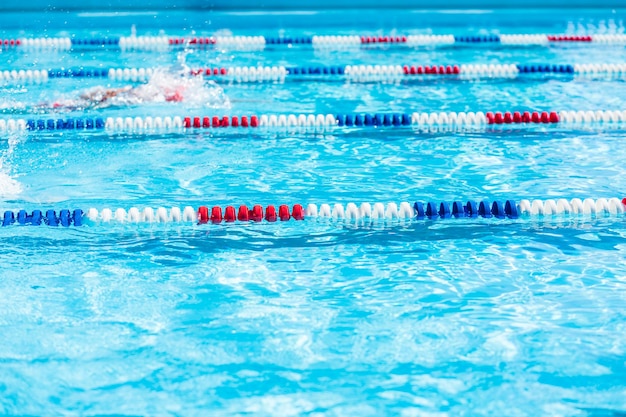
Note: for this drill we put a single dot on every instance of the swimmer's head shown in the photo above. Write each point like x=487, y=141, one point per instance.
x=175, y=96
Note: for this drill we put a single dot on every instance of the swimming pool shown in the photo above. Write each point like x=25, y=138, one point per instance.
x=326, y=315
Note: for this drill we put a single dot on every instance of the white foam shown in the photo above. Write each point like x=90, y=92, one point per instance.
x=165, y=85
x=9, y=186
x=192, y=90
x=174, y=84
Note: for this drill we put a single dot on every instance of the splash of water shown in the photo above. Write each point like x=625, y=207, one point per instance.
x=168, y=85
x=173, y=84
x=9, y=186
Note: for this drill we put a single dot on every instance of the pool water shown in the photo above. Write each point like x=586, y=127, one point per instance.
x=316, y=317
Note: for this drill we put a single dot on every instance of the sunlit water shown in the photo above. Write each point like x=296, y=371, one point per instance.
x=455, y=317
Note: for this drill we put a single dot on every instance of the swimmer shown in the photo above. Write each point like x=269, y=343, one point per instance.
x=100, y=97
x=97, y=97
x=163, y=86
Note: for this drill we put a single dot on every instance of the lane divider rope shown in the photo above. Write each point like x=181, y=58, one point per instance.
x=317, y=41
x=356, y=73
x=318, y=122
x=364, y=212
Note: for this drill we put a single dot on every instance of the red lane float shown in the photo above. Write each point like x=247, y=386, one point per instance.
x=243, y=214
x=567, y=38
x=526, y=117
x=383, y=39
x=433, y=69
x=10, y=42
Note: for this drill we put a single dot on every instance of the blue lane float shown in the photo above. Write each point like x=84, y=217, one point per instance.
x=78, y=73
x=477, y=39
x=65, y=124
x=546, y=68
x=303, y=40
x=95, y=41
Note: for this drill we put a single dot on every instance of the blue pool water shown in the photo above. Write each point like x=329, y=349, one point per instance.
x=454, y=317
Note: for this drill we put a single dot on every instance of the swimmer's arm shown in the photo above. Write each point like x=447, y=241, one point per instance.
x=101, y=95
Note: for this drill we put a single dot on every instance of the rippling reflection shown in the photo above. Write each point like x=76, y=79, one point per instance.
x=411, y=314
x=454, y=317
